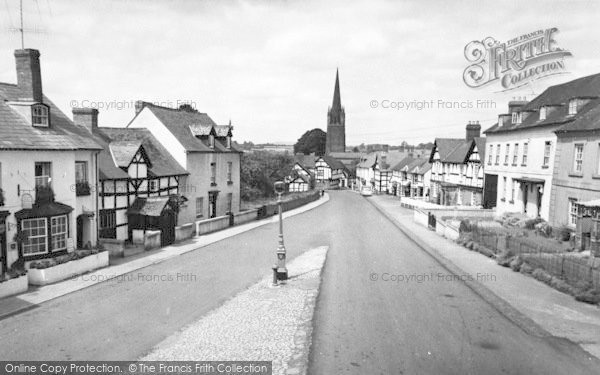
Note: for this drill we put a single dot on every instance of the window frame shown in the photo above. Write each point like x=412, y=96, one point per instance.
x=64, y=234
x=199, y=207
x=572, y=107
x=507, y=154
x=498, y=146
x=85, y=171
x=515, y=154
x=578, y=157
x=572, y=215
x=44, y=115
x=543, y=113
x=48, y=176
x=547, y=153
x=213, y=173
x=26, y=244
x=525, y=151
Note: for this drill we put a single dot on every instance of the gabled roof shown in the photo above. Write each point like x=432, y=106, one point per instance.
x=457, y=150
x=306, y=161
x=124, y=151
x=151, y=206
x=333, y=163
x=584, y=87
x=187, y=125
x=16, y=132
x=403, y=163
x=419, y=166
x=125, y=140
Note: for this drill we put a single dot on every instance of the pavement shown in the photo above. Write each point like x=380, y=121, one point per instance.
x=386, y=306
x=37, y=295
x=262, y=322
x=552, y=312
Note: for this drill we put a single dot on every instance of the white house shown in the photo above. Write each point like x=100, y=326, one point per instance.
x=411, y=177
x=457, y=171
x=521, y=147
x=47, y=172
x=205, y=150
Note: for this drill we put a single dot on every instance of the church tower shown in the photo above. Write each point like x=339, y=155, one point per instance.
x=336, y=122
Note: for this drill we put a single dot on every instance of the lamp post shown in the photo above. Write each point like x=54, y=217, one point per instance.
x=281, y=272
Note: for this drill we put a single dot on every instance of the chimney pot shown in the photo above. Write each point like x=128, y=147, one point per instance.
x=139, y=105
x=29, y=76
x=473, y=130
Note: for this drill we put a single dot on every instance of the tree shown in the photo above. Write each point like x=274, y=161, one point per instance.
x=312, y=141
x=260, y=170
x=355, y=149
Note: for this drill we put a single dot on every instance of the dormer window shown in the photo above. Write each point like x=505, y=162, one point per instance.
x=39, y=115
x=228, y=142
x=211, y=141
x=516, y=118
x=572, y=106
x=542, y=113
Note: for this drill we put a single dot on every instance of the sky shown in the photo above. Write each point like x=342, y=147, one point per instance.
x=269, y=66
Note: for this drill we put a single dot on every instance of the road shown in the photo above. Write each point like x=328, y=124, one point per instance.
x=362, y=325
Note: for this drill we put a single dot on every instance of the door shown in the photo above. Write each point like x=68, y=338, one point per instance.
x=539, y=201
x=212, y=204
x=490, y=190
x=167, y=224
x=80, y=232
x=525, y=197
x=3, y=253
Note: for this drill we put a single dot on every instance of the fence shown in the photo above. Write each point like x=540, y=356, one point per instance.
x=552, y=258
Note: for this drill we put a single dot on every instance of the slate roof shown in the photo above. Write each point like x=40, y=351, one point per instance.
x=180, y=123
x=584, y=87
x=127, y=141
x=422, y=164
x=16, y=132
x=403, y=163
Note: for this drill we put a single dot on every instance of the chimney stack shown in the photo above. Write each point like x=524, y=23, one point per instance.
x=516, y=104
x=86, y=117
x=473, y=130
x=29, y=76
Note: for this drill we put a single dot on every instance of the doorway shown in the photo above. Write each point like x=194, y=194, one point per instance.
x=212, y=204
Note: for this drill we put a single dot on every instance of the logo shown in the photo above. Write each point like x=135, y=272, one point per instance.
x=514, y=63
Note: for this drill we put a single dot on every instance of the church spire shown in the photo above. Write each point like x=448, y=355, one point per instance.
x=337, y=101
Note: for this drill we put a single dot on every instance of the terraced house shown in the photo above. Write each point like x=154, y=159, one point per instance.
x=47, y=172
x=523, y=156
x=457, y=172
x=411, y=177
x=202, y=148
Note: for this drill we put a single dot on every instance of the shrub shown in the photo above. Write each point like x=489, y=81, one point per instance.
x=531, y=223
x=564, y=233
x=505, y=258
x=465, y=226
x=516, y=263
x=526, y=268
x=589, y=296
x=542, y=275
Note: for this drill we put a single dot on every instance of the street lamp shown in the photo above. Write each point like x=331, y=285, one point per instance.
x=281, y=271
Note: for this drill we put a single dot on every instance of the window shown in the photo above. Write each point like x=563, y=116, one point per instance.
x=542, y=113
x=598, y=171
x=497, y=154
x=213, y=173
x=43, y=174
x=504, y=188
x=229, y=171
x=228, y=144
x=229, y=202
x=39, y=115
x=35, y=230
x=515, y=117
x=81, y=172
x=506, y=152
x=490, y=154
x=572, y=106
x=515, y=154
x=211, y=141
x=525, y=149
x=572, y=212
x=153, y=185
x=58, y=229
x=547, y=148
x=199, y=207
x=108, y=223
x=578, y=158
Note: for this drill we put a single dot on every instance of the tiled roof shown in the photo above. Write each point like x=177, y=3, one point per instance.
x=403, y=163
x=333, y=163
x=306, y=161
x=17, y=133
x=419, y=166
x=123, y=151
x=585, y=87
x=151, y=206
x=179, y=123
x=126, y=139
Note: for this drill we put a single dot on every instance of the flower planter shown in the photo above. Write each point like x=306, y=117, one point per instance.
x=13, y=286
x=67, y=270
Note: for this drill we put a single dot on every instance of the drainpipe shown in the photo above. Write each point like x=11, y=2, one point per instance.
x=97, y=213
